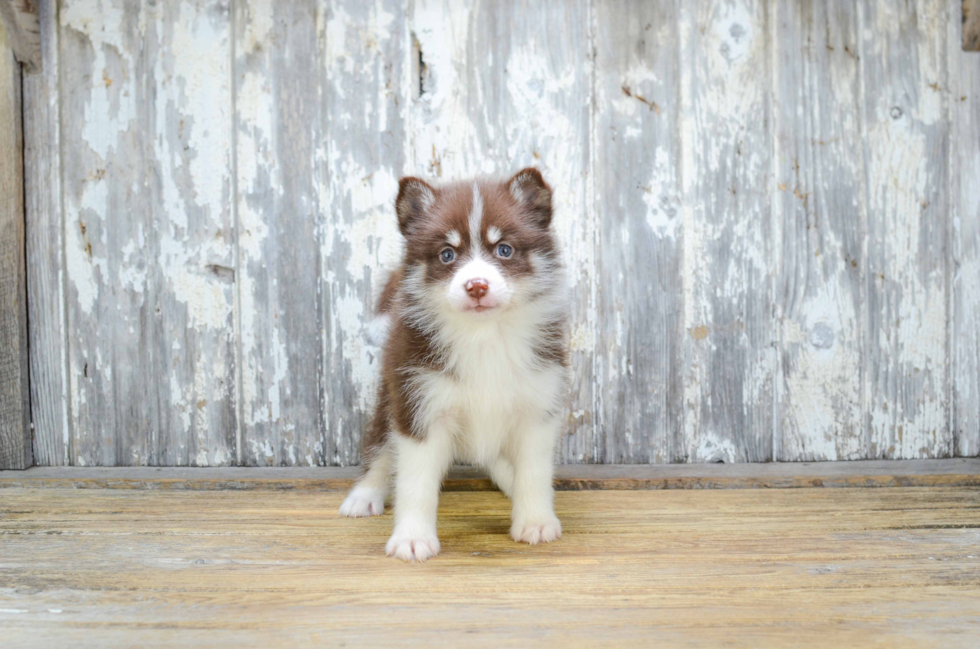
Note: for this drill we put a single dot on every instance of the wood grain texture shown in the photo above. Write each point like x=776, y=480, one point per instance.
x=964, y=198
x=277, y=130
x=903, y=61
x=46, y=279
x=503, y=86
x=15, y=419
x=191, y=339
x=107, y=210
x=20, y=17
x=640, y=309
x=147, y=187
x=970, y=19
x=896, y=567
x=364, y=51
x=726, y=173
x=819, y=220
x=953, y=472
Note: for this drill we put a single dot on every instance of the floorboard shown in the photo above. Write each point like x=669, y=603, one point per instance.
x=750, y=567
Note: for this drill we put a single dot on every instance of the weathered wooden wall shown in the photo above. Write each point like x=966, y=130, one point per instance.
x=770, y=209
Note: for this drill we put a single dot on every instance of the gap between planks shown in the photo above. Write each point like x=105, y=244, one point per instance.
x=954, y=472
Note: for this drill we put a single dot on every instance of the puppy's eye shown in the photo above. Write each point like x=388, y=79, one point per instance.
x=447, y=255
x=505, y=251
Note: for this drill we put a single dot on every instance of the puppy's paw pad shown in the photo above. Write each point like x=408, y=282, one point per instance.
x=363, y=502
x=535, y=532
x=407, y=548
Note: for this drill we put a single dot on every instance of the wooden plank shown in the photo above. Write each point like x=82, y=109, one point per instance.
x=45, y=251
x=15, y=417
x=895, y=567
x=727, y=243
x=903, y=59
x=20, y=17
x=970, y=19
x=278, y=135
x=363, y=46
x=106, y=211
x=640, y=310
x=577, y=477
x=147, y=194
x=819, y=216
x=964, y=202
x=190, y=338
x=516, y=94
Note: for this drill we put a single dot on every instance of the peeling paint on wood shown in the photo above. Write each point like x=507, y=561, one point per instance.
x=820, y=224
x=277, y=131
x=964, y=269
x=903, y=68
x=726, y=174
x=769, y=212
x=640, y=353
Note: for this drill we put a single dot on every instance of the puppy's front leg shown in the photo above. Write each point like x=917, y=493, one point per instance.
x=533, y=517
x=419, y=469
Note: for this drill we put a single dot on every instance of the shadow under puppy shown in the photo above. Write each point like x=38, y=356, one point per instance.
x=474, y=329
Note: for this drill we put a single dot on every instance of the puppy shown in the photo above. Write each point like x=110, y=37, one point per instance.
x=474, y=329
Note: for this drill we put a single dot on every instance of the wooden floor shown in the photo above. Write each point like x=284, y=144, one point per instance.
x=801, y=567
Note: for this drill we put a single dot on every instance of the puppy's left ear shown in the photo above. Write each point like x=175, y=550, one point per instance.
x=415, y=197
x=533, y=194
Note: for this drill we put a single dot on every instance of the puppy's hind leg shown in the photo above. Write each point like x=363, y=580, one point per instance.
x=367, y=498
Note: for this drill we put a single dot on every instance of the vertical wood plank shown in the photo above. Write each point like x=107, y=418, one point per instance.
x=277, y=131
x=903, y=62
x=15, y=421
x=964, y=99
x=45, y=250
x=640, y=352
x=106, y=211
x=819, y=211
x=147, y=191
x=188, y=130
x=506, y=85
x=359, y=159
x=727, y=180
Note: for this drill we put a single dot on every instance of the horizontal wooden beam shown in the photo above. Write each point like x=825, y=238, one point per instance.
x=15, y=434
x=875, y=473
x=971, y=25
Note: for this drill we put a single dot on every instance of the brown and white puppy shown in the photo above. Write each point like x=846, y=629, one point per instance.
x=474, y=327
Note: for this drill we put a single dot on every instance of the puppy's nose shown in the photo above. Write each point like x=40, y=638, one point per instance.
x=477, y=288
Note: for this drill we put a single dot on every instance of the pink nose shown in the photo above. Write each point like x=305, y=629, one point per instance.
x=477, y=288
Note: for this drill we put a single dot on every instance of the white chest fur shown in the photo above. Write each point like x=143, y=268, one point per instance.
x=494, y=386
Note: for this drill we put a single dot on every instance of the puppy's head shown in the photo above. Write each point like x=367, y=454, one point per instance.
x=479, y=247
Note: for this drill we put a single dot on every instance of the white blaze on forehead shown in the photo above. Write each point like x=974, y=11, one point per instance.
x=476, y=218
x=453, y=238
x=493, y=234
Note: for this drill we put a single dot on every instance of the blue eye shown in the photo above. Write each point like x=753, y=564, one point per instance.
x=447, y=255
x=505, y=251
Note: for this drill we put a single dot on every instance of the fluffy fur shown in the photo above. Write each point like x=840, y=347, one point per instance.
x=474, y=329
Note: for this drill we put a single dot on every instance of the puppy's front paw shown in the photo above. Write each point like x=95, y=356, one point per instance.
x=412, y=547
x=544, y=530
x=363, y=501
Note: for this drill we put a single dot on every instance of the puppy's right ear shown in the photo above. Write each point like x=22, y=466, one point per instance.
x=415, y=197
